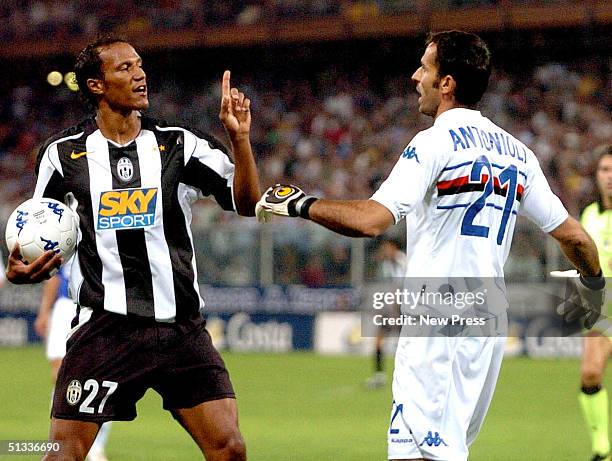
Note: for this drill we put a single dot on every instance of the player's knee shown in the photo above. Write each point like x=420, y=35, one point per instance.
x=235, y=449
x=591, y=375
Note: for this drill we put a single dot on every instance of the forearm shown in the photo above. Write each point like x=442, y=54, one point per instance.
x=582, y=253
x=578, y=247
x=246, y=181
x=353, y=218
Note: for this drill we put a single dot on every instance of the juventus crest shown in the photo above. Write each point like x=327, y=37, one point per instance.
x=125, y=169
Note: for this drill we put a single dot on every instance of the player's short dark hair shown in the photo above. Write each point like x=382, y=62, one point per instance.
x=467, y=59
x=89, y=65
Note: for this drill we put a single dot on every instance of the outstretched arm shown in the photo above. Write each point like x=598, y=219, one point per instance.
x=354, y=218
x=578, y=247
x=236, y=117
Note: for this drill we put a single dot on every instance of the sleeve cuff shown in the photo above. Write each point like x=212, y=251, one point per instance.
x=556, y=223
x=389, y=206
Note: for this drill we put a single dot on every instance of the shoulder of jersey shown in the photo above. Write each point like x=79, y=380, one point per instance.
x=432, y=140
x=86, y=126
x=214, y=143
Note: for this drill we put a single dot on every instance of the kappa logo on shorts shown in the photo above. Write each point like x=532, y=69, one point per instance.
x=127, y=209
x=73, y=394
x=433, y=440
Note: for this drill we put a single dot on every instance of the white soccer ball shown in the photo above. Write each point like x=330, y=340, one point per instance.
x=43, y=224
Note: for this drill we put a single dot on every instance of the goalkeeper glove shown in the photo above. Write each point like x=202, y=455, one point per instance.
x=584, y=297
x=283, y=200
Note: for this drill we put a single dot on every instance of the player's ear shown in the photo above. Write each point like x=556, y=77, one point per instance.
x=448, y=85
x=95, y=86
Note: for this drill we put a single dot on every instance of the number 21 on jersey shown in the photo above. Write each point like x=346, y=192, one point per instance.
x=508, y=180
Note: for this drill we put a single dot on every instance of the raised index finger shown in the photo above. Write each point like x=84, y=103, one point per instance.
x=225, y=85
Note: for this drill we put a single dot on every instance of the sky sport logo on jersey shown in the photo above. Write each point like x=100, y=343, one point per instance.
x=127, y=209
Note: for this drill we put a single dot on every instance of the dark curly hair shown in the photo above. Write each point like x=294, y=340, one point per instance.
x=467, y=59
x=89, y=65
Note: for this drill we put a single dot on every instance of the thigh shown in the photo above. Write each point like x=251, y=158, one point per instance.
x=491, y=370
x=191, y=370
x=75, y=438
x=422, y=380
x=108, y=366
x=212, y=425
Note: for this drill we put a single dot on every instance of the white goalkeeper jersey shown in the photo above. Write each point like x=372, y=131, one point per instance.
x=464, y=180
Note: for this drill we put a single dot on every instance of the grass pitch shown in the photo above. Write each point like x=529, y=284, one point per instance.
x=303, y=407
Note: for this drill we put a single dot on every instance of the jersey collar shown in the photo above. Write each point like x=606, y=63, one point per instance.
x=456, y=113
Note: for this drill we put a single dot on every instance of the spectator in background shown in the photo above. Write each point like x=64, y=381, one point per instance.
x=391, y=266
x=597, y=220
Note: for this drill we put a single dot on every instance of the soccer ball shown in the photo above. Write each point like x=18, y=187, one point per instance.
x=42, y=224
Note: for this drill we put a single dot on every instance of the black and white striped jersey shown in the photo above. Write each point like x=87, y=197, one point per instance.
x=135, y=253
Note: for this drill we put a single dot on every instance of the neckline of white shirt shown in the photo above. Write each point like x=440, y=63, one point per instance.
x=456, y=111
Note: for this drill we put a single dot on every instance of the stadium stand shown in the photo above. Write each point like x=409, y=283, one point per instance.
x=335, y=120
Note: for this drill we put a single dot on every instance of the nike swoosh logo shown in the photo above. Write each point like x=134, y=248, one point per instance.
x=74, y=155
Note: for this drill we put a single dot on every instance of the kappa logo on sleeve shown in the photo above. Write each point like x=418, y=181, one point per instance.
x=410, y=152
x=127, y=209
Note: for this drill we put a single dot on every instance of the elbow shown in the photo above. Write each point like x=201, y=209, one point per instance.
x=372, y=230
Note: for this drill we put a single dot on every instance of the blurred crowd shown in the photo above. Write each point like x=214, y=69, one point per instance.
x=337, y=136
x=50, y=19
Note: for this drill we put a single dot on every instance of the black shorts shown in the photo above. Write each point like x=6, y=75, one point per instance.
x=111, y=360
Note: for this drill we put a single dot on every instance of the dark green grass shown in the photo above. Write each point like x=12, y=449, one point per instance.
x=303, y=407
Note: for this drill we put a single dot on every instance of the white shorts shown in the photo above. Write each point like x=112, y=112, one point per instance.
x=62, y=314
x=442, y=388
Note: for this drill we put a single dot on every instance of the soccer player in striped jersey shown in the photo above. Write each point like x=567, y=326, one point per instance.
x=133, y=181
x=597, y=220
x=463, y=181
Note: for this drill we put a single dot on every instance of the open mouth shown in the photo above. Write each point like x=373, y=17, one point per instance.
x=141, y=89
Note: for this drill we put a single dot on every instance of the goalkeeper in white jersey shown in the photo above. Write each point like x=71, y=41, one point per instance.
x=463, y=181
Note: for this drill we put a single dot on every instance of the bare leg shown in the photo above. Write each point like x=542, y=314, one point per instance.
x=75, y=438
x=593, y=397
x=597, y=349
x=214, y=427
